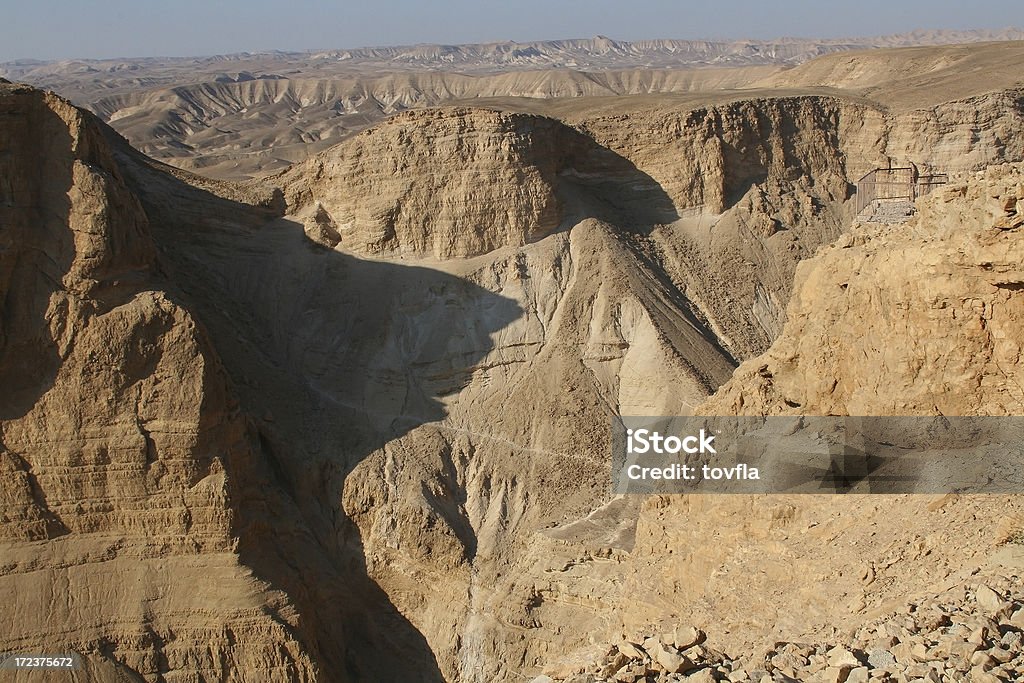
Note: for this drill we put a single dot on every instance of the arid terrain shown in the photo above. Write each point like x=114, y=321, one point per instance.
x=309, y=361
x=244, y=115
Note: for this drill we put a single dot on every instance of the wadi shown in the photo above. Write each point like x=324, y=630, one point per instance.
x=308, y=361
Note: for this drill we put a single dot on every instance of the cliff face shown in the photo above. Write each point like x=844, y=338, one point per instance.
x=761, y=184
x=443, y=183
x=919, y=318
x=729, y=187
x=299, y=460
x=955, y=136
x=120, y=439
x=77, y=254
x=709, y=157
x=758, y=185
x=746, y=189
x=541, y=587
x=482, y=488
x=932, y=305
x=452, y=183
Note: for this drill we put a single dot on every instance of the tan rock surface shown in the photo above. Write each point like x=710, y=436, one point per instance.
x=138, y=523
x=117, y=430
x=920, y=318
x=800, y=568
x=444, y=183
x=357, y=455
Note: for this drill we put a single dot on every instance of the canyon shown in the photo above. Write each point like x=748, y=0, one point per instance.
x=340, y=411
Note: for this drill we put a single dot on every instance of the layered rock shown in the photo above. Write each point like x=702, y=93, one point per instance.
x=121, y=444
x=462, y=182
x=507, y=502
x=758, y=184
x=908, y=319
x=443, y=183
x=85, y=346
x=745, y=189
x=761, y=184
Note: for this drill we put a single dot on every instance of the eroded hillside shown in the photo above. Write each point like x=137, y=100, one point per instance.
x=374, y=401
x=914, y=319
x=142, y=524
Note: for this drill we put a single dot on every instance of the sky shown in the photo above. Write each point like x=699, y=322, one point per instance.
x=62, y=29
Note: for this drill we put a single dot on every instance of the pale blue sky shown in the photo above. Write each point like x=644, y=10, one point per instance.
x=53, y=29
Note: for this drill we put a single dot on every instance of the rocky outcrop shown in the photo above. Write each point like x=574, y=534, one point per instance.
x=746, y=189
x=453, y=183
x=603, y=307
x=709, y=157
x=376, y=451
x=758, y=184
x=122, y=448
x=85, y=344
x=915, y=318
x=933, y=304
x=956, y=136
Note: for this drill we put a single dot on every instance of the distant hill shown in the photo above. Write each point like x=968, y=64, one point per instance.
x=599, y=52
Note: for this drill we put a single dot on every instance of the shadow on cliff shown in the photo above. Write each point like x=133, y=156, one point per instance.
x=332, y=357
x=597, y=182
x=36, y=248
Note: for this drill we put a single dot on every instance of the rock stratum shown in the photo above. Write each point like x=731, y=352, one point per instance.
x=117, y=427
x=950, y=273
x=128, y=465
x=284, y=430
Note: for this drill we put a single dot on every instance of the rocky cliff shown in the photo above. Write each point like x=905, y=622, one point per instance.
x=244, y=462
x=142, y=522
x=745, y=188
x=367, y=413
x=919, y=318
x=450, y=184
x=120, y=437
x=932, y=306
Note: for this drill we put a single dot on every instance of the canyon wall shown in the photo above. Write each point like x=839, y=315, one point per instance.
x=369, y=413
x=119, y=431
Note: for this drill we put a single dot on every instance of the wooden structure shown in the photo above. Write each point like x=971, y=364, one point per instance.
x=895, y=185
